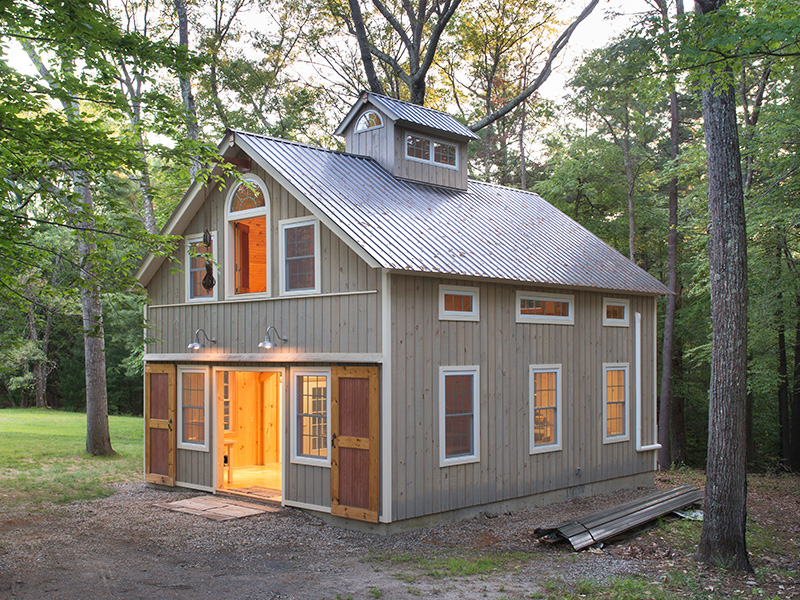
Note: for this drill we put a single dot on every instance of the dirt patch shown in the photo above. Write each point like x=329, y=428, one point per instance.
x=126, y=547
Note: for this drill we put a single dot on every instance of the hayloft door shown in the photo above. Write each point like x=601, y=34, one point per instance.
x=354, y=442
x=159, y=424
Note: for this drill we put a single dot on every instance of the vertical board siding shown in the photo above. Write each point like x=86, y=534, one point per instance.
x=326, y=324
x=504, y=350
x=196, y=468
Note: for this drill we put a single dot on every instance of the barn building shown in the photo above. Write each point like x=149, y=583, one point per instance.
x=373, y=337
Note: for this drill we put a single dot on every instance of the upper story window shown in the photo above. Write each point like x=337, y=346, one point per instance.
x=615, y=312
x=201, y=268
x=369, y=120
x=432, y=151
x=248, y=235
x=533, y=307
x=459, y=303
x=299, y=255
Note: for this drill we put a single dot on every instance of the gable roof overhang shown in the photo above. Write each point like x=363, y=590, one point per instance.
x=423, y=119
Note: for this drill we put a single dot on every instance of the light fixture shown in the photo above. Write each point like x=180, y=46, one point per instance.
x=268, y=344
x=197, y=344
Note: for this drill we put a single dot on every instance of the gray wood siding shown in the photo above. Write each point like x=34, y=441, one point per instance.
x=376, y=143
x=307, y=484
x=504, y=350
x=335, y=321
x=195, y=467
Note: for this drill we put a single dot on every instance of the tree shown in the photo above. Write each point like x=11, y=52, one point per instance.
x=722, y=540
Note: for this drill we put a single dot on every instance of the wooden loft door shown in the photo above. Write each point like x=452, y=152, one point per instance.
x=354, y=443
x=159, y=424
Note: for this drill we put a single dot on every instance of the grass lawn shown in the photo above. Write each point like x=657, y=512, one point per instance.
x=43, y=456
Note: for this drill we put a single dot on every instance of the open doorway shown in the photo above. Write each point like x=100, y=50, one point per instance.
x=248, y=433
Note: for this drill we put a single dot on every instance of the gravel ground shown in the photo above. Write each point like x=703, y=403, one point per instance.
x=126, y=547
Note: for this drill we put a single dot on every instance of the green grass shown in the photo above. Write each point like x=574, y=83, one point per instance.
x=43, y=457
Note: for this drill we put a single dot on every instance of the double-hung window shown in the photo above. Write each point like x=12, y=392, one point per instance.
x=615, y=402
x=193, y=409
x=200, y=263
x=310, y=409
x=545, y=408
x=299, y=256
x=248, y=209
x=459, y=415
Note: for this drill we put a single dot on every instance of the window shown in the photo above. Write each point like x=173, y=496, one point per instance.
x=224, y=383
x=192, y=422
x=432, y=151
x=545, y=308
x=249, y=237
x=199, y=266
x=299, y=252
x=615, y=312
x=458, y=415
x=615, y=402
x=458, y=303
x=545, y=382
x=369, y=120
x=311, y=406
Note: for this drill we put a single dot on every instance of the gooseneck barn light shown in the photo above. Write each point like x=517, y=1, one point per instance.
x=197, y=344
x=268, y=344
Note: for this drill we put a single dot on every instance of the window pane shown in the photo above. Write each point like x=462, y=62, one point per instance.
x=250, y=255
x=299, y=252
x=312, y=415
x=193, y=407
x=615, y=402
x=615, y=311
x=245, y=198
x=368, y=120
x=417, y=147
x=458, y=302
x=197, y=270
x=545, y=403
x=541, y=307
x=458, y=401
x=444, y=154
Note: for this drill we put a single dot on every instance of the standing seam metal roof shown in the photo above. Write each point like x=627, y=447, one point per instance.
x=486, y=231
x=419, y=115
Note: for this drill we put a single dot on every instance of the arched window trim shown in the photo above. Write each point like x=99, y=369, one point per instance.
x=231, y=217
x=363, y=118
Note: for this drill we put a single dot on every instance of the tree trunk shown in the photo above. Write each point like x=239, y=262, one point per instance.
x=783, y=382
x=722, y=541
x=794, y=450
x=187, y=97
x=679, y=454
x=98, y=440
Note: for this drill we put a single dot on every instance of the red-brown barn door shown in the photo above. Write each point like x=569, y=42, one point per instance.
x=354, y=441
x=159, y=424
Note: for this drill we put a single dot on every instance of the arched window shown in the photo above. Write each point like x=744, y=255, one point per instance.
x=248, y=249
x=369, y=120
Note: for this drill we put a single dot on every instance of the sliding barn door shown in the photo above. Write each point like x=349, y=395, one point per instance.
x=354, y=443
x=159, y=424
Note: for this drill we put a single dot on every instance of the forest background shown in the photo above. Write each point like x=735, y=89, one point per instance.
x=122, y=103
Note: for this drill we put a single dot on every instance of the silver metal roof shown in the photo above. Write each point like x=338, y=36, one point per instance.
x=486, y=231
x=397, y=110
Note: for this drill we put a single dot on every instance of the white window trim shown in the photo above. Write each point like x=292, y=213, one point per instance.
x=366, y=112
x=569, y=320
x=230, y=238
x=189, y=241
x=616, y=322
x=534, y=449
x=206, y=413
x=300, y=459
x=454, y=315
x=299, y=222
x=430, y=141
x=627, y=433
x=473, y=370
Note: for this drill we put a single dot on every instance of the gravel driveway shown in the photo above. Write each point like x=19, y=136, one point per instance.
x=125, y=546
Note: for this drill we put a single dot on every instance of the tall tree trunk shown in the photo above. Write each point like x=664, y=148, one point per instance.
x=794, y=450
x=678, y=452
x=98, y=439
x=666, y=408
x=722, y=541
x=185, y=81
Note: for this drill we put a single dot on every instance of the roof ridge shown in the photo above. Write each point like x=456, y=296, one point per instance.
x=301, y=144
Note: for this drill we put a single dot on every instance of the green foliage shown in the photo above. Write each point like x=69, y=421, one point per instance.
x=43, y=457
